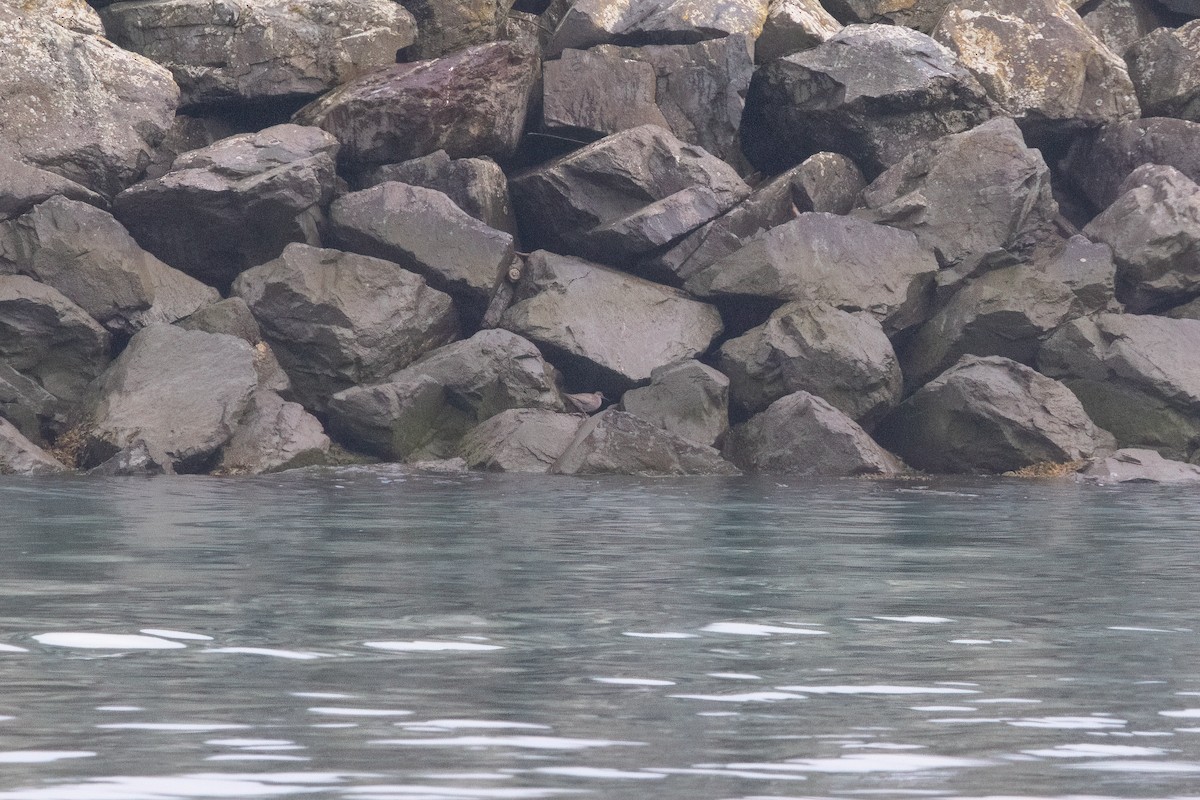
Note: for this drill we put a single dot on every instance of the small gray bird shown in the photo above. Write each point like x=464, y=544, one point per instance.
x=586, y=402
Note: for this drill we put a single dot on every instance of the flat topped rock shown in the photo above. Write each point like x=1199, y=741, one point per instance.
x=1134, y=465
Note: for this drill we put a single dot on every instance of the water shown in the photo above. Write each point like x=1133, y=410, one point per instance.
x=369, y=635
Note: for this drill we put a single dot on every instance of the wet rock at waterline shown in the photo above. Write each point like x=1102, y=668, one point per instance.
x=519, y=440
x=274, y=435
x=620, y=443
x=686, y=398
x=1134, y=465
x=19, y=456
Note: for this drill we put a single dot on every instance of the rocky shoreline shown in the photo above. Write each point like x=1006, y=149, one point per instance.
x=647, y=237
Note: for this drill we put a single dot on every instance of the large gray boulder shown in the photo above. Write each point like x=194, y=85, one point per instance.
x=23, y=186
x=180, y=393
x=76, y=105
x=1087, y=269
x=519, y=440
x=842, y=357
x=686, y=398
x=74, y=15
x=872, y=92
x=1137, y=376
x=423, y=411
x=695, y=91
x=801, y=434
x=1153, y=228
x=235, y=204
x=827, y=182
x=1040, y=62
x=921, y=15
x=449, y=25
x=604, y=328
x=975, y=199
x=619, y=443
x=792, y=26
x=592, y=22
x=239, y=51
x=1005, y=312
x=989, y=415
x=19, y=456
x=424, y=231
x=87, y=255
x=1120, y=23
x=233, y=317
x=336, y=319
x=469, y=103
x=1098, y=163
x=476, y=185
x=640, y=188
x=274, y=435
x=1165, y=69
x=845, y=262
x=1134, y=465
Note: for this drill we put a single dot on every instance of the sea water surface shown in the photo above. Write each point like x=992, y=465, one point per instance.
x=371, y=635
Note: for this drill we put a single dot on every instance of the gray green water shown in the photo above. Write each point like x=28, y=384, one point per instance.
x=372, y=635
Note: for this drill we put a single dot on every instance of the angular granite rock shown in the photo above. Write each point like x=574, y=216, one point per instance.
x=470, y=103
x=975, y=199
x=844, y=358
x=686, y=398
x=872, y=92
x=233, y=317
x=1120, y=23
x=1134, y=465
x=619, y=443
x=1137, y=376
x=337, y=319
x=408, y=416
x=792, y=26
x=845, y=262
x=424, y=231
x=274, y=435
x=450, y=25
x=240, y=51
x=87, y=255
x=23, y=186
x=189, y=132
x=920, y=15
x=592, y=22
x=74, y=15
x=1098, y=163
x=1040, y=62
x=1165, y=69
x=989, y=415
x=1153, y=228
x=1088, y=271
x=77, y=105
x=37, y=414
x=235, y=204
x=19, y=456
x=604, y=328
x=180, y=393
x=801, y=434
x=519, y=440
x=566, y=204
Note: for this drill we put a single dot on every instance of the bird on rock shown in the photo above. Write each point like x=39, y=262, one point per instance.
x=586, y=402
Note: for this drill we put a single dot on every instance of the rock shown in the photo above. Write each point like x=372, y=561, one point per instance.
x=235, y=204
x=425, y=409
x=1040, y=62
x=519, y=440
x=686, y=398
x=476, y=185
x=792, y=26
x=592, y=22
x=1165, y=69
x=36, y=413
x=845, y=262
x=336, y=319
x=1133, y=465
x=1137, y=376
x=78, y=106
x=49, y=339
x=695, y=91
x=1187, y=7
x=824, y=182
x=920, y=15
x=19, y=456
x=1006, y=312
x=74, y=15
x=424, y=231
x=1098, y=163
x=1120, y=23
x=1088, y=271
x=180, y=393
x=87, y=255
x=615, y=442
x=233, y=317
x=801, y=434
x=242, y=51
x=470, y=103
x=187, y=133
x=563, y=204
x=606, y=329
x=450, y=25
x=989, y=415
x=1153, y=228
x=132, y=461
x=1189, y=310
x=977, y=199
x=23, y=186
x=274, y=435
x=872, y=92
x=844, y=358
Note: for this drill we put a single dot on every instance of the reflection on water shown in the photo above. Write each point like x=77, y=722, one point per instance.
x=367, y=634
